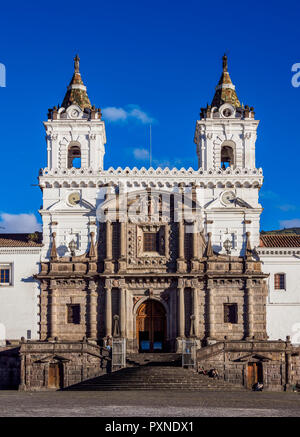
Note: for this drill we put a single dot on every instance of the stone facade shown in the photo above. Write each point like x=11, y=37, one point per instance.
x=277, y=362
x=46, y=365
x=155, y=257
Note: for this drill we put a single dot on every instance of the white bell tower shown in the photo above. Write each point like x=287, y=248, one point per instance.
x=75, y=135
x=226, y=132
x=225, y=137
x=75, y=132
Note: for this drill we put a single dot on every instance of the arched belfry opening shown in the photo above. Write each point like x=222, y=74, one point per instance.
x=74, y=155
x=227, y=155
x=151, y=326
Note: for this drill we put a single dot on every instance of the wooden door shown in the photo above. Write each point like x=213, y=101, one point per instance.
x=151, y=326
x=55, y=375
x=255, y=374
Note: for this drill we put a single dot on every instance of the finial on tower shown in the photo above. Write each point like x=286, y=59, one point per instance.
x=76, y=64
x=225, y=63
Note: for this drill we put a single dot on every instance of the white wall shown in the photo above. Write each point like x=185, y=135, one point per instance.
x=283, y=306
x=19, y=303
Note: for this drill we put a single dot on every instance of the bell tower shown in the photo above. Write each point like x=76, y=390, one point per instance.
x=75, y=132
x=225, y=138
x=75, y=135
x=226, y=132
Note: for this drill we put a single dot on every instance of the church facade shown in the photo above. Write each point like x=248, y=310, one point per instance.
x=156, y=257
x=148, y=246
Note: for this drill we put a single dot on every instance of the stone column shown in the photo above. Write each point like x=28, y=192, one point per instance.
x=181, y=265
x=122, y=263
x=123, y=311
x=108, y=260
x=108, y=308
x=22, y=385
x=93, y=310
x=181, y=309
x=122, y=240
x=181, y=240
x=195, y=257
x=250, y=312
x=108, y=240
x=53, y=312
x=288, y=364
x=196, y=310
x=195, y=241
x=211, y=310
x=43, y=312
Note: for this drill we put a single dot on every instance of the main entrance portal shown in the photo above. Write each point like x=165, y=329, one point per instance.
x=151, y=326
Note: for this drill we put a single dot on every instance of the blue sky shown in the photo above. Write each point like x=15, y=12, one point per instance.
x=154, y=61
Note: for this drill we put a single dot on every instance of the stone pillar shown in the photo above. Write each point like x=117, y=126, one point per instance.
x=181, y=240
x=181, y=265
x=122, y=240
x=22, y=385
x=211, y=311
x=43, y=312
x=108, y=308
x=122, y=262
x=93, y=310
x=195, y=310
x=195, y=241
x=108, y=260
x=108, y=240
x=288, y=367
x=123, y=312
x=194, y=261
x=181, y=310
x=250, y=312
x=53, y=313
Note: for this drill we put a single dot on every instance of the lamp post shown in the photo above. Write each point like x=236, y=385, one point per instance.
x=72, y=247
x=227, y=246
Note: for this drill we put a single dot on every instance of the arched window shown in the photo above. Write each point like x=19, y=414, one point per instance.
x=74, y=155
x=227, y=156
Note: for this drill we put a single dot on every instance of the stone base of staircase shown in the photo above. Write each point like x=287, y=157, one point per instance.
x=154, y=372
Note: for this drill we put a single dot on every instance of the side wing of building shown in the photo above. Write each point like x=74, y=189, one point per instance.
x=280, y=256
x=19, y=290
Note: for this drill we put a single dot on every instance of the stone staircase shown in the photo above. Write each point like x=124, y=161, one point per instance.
x=154, y=372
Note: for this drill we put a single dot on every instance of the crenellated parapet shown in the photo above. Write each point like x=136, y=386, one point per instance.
x=159, y=177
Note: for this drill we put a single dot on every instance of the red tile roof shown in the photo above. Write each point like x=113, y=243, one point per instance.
x=21, y=240
x=280, y=240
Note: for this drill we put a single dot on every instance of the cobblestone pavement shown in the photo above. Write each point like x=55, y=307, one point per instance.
x=155, y=404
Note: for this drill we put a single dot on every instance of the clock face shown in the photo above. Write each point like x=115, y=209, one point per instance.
x=227, y=112
x=228, y=197
x=74, y=198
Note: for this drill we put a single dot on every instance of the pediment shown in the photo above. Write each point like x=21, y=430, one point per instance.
x=254, y=358
x=235, y=202
x=62, y=205
x=51, y=358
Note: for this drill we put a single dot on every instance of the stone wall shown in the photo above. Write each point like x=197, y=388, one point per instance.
x=278, y=360
x=57, y=365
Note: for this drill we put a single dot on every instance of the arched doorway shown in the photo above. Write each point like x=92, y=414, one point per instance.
x=151, y=326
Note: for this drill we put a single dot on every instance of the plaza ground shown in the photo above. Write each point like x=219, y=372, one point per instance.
x=151, y=404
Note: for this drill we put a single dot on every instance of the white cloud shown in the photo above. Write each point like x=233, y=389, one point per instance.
x=130, y=112
x=293, y=223
x=287, y=207
x=114, y=114
x=23, y=223
x=141, y=154
x=268, y=194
